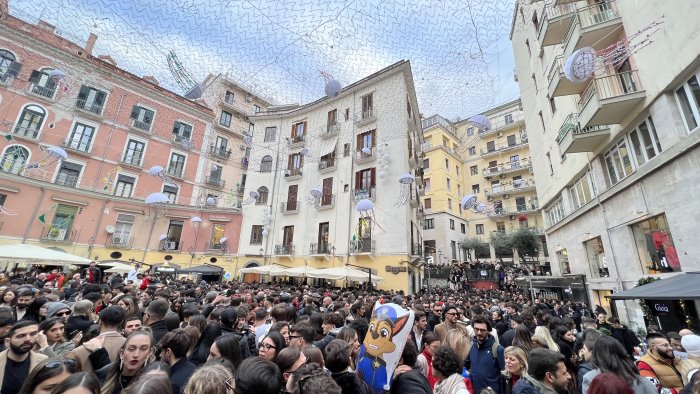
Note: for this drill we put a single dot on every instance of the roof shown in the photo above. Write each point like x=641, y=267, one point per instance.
x=679, y=287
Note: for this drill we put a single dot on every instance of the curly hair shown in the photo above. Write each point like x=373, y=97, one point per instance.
x=447, y=362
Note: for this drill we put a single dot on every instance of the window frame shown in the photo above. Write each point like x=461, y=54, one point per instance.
x=694, y=109
x=170, y=161
x=141, y=160
x=272, y=130
x=27, y=109
x=70, y=138
x=78, y=178
x=228, y=117
x=133, y=185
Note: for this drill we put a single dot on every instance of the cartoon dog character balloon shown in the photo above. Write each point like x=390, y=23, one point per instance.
x=381, y=350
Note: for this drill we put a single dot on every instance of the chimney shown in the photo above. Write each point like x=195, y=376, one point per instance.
x=90, y=43
x=43, y=25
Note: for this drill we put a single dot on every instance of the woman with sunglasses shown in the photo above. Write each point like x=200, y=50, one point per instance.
x=51, y=340
x=271, y=345
x=133, y=357
x=49, y=374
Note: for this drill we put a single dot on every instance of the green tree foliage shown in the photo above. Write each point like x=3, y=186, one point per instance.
x=501, y=244
x=526, y=242
x=472, y=244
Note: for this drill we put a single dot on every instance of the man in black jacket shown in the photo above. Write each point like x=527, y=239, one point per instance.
x=246, y=340
x=174, y=352
x=338, y=354
x=154, y=317
x=624, y=335
x=407, y=379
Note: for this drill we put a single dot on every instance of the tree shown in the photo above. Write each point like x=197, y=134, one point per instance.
x=469, y=244
x=501, y=244
x=526, y=242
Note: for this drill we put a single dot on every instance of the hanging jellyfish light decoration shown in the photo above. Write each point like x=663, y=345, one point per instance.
x=253, y=196
x=405, y=182
x=481, y=122
x=314, y=196
x=53, y=154
x=159, y=172
x=471, y=202
x=248, y=140
x=266, y=220
x=332, y=86
x=468, y=201
x=384, y=160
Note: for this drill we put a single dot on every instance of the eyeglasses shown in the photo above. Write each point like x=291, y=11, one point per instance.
x=267, y=346
x=480, y=330
x=61, y=314
x=229, y=384
x=294, y=337
x=437, y=310
x=451, y=313
x=57, y=363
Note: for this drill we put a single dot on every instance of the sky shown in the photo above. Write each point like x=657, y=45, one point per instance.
x=460, y=53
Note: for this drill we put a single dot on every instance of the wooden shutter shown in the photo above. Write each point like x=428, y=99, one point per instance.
x=373, y=173
x=328, y=186
x=135, y=112
x=359, y=142
x=34, y=78
x=358, y=180
x=289, y=162
x=373, y=133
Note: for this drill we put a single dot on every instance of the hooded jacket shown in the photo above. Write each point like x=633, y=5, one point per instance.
x=484, y=368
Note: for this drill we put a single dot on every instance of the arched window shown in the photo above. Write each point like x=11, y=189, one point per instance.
x=266, y=164
x=30, y=121
x=6, y=60
x=14, y=159
x=262, y=200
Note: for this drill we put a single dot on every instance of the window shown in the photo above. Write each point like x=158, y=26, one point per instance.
x=229, y=97
x=644, y=142
x=449, y=204
x=365, y=181
x=476, y=189
x=298, y=132
x=346, y=150
x=447, y=164
x=68, y=174
x=544, y=129
x=554, y=213
x=262, y=199
x=552, y=105
x=332, y=119
x=511, y=140
x=490, y=146
x=470, y=132
x=134, y=152
x=457, y=170
x=496, y=186
x=429, y=224
x=459, y=190
x=581, y=192
x=225, y=119
x=563, y=257
x=295, y=161
x=618, y=162
x=171, y=192
x=493, y=166
x=256, y=109
x=479, y=228
x=41, y=84
x=655, y=246
x=449, y=185
x=251, y=128
x=426, y=164
x=500, y=226
x=174, y=234
x=597, y=262
x=445, y=142
x=270, y=134
x=176, y=167
x=221, y=145
x=508, y=118
x=182, y=129
x=367, y=106
x=14, y=159
x=471, y=150
x=535, y=21
x=428, y=203
x=474, y=170
x=60, y=228
x=218, y=231
x=3, y=199
x=214, y=178
x=91, y=100
x=30, y=121
x=7, y=65
x=366, y=140
x=463, y=228
x=347, y=114
x=520, y=204
x=549, y=161
x=141, y=118
x=125, y=186
x=426, y=185
x=122, y=229
x=256, y=235
x=688, y=98
x=81, y=137
x=266, y=164
x=452, y=224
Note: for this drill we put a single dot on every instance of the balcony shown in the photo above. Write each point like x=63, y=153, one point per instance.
x=56, y=234
x=362, y=246
x=513, y=211
x=594, y=26
x=575, y=139
x=89, y=107
x=519, y=186
x=140, y=126
x=416, y=250
x=332, y=129
x=119, y=241
x=326, y=201
x=240, y=189
x=317, y=249
x=284, y=250
x=76, y=146
x=362, y=156
x=219, y=153
x=289, y=207
x=296, y=141
x=556, y=20
x=518, y=143
x=183, y=142
x=25, y=132
x=214, y=181
x=176, y=171
x=169, y=244
x=327, y=165
x=42, y=91
x=132, y=159
x=517, y=119
x=365, y=193
x=365, y=117
x=610, y=99
x=64, y=179
x=507, y=168
x=237, y=106
x=559, y=85
x=292, y=174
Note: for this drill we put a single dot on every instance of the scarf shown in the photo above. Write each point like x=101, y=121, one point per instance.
x=450, y=385
x=429, y=359
x=539, y=385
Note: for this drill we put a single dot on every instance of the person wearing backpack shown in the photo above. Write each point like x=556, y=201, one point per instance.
x=486, y=358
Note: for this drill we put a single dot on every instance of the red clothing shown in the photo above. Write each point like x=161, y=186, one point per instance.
x=144, y=283
x=429, y=359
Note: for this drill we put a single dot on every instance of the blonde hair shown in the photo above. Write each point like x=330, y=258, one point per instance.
x=459, y=342
x=210, y=379
x=543, y=337
x=520, y=355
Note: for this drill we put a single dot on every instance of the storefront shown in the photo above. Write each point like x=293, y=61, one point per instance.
x=549, y=288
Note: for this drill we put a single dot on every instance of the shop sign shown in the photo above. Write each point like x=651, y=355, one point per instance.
x=396, y=269
x=662, y=308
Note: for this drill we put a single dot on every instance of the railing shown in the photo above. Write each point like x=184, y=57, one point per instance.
x=184, y=142
x=167, y=244
x=89, y=106
x=509, y=166
x=367, y=113
x=42, y=91
x=322, y=248
x=331, y=129
x=57, y=234
x=66, y=179
x=214, y=246
x=215, y=181
x=571, y=124
x=326, y=200
x=555, y=11
x=611, y=86
x=362, y=245
x=292, y=172
x=175, y=171
x=296, y=140
x=360, y=194
x=284, y=250
x=326, y=164
x=119, y=240
x=133, y=160
x=6, y=78
x=26, y=131
x=361, y=156
x=518, y=209
x=517, y=186
x=503, y=124
x=78, y=146
x=597, y=13
x=140, y=125
x=556, y=67
x=289, y=206
x=503, y=147
x=221, y=153
x=490, y=275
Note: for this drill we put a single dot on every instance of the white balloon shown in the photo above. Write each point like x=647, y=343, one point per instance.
x=264, y=232
x=382, y=174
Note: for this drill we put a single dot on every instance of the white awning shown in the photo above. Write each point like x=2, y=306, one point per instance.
x=327, y=146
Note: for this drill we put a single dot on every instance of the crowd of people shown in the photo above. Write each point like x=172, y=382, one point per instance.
x=146, y=334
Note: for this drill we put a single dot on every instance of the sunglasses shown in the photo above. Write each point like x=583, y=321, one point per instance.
x=267, y=346
x=61, y=314
x=57, y=363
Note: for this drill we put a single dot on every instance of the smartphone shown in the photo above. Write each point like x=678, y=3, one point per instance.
x=74, y=333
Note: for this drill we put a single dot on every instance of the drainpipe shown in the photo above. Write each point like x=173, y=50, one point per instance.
x=109, y=140
x=351, y=209
x=97, y=227
x=273, y=212
x=148, y=241
x=36, y=210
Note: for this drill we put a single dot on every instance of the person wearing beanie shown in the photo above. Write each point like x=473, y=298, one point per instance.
x=154, y=317
x=58, y=309
x=79, y=321
x=689, y=366
x=103, y=349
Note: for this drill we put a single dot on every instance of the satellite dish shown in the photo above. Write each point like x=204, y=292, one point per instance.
x=109, y=229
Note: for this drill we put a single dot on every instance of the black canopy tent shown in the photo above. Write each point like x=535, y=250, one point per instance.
x=209, y=273
x=680, y=287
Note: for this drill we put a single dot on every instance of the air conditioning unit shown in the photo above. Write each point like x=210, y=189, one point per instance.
x=506, y=196
x=248, y=98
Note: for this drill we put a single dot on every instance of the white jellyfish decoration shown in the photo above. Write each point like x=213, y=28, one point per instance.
x=156, y=198
x=56, y=74
x=581, y=65
x=159, y=172
x=405, y=182
x=248, y=140
x=212, y=200
x=196, y=219
x=468, y=201
x=333, y=88
x=253, y=196
x=367, y=151
x=264, y=232
x=314, y=196
x=52, y=155
x=481, y=122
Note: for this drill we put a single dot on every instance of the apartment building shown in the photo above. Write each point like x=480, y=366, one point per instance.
x=614, y=157
x=124, y=138
x=311, y=164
